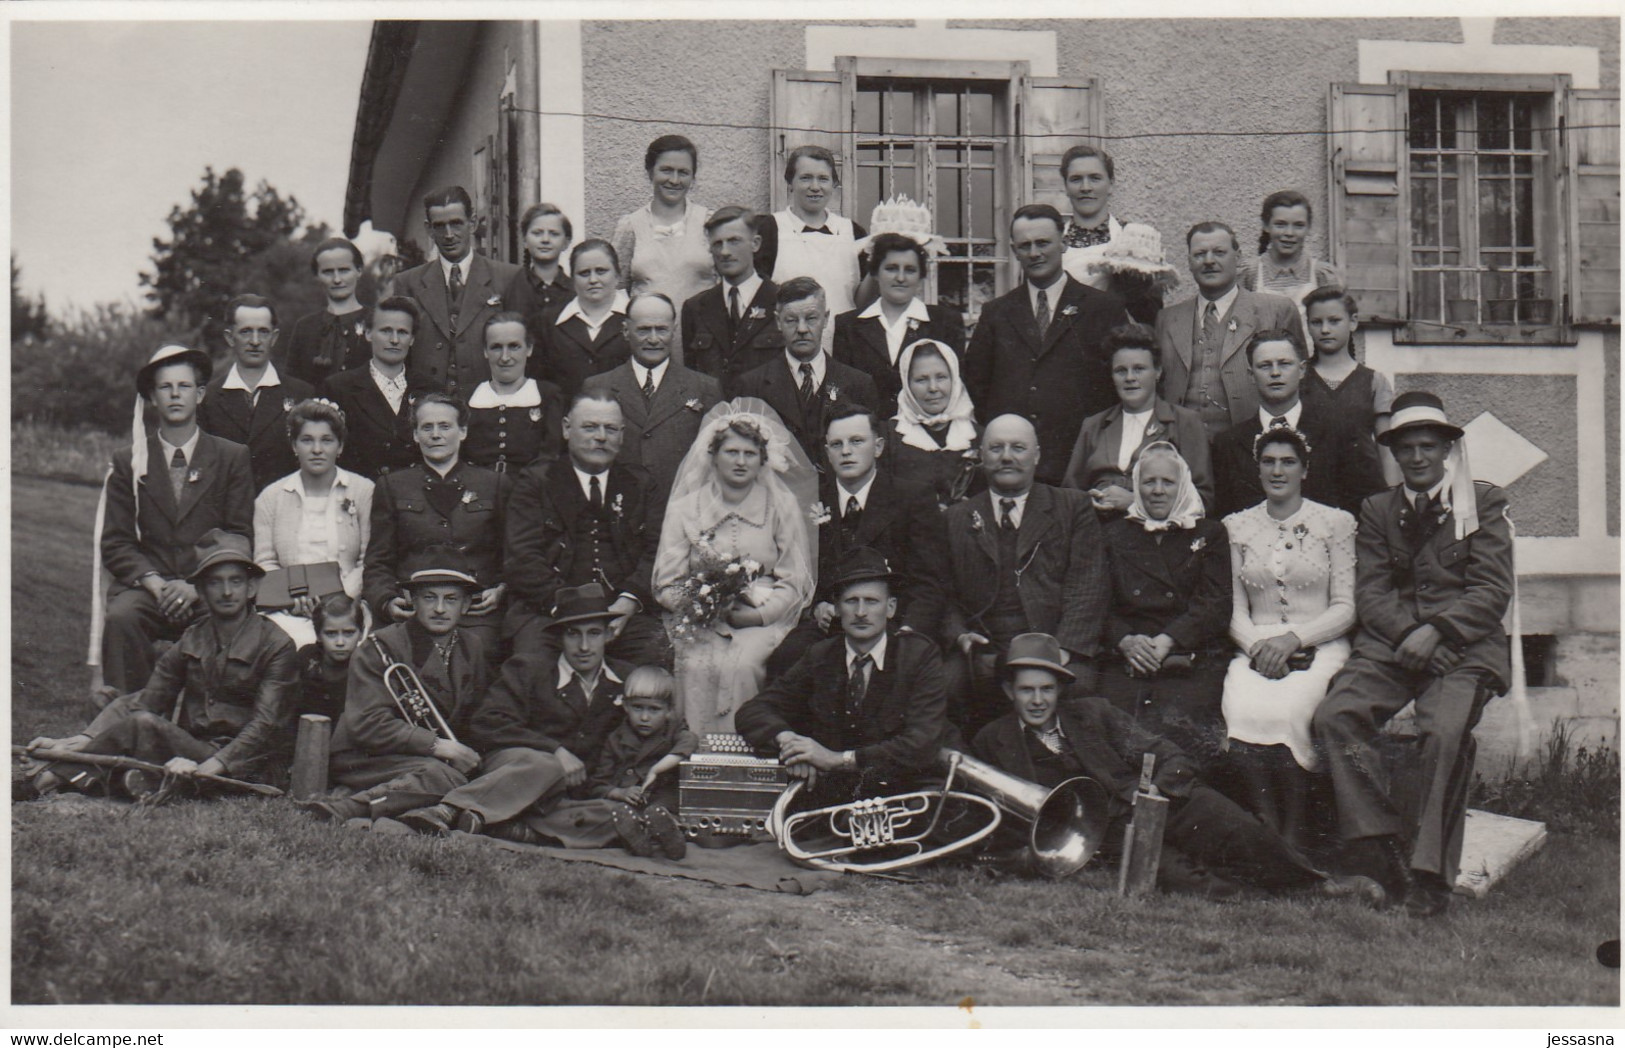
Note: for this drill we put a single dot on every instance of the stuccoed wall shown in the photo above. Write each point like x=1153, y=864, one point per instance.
x=1601, y=33
x=1610, y=351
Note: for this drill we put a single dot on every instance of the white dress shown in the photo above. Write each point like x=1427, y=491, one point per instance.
x=1294, y=575
x=829, y=258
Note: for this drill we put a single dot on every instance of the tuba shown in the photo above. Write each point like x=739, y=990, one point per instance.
x=1067, y=823
x=411, y=697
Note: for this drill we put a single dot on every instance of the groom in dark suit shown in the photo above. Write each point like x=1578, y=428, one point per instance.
x=662, y=401
x=731, y=327
x=458, y=292
x=582, y=519
x=804, y=384
x=1039, y=351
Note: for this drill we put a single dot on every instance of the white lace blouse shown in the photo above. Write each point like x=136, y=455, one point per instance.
x=1294, y=575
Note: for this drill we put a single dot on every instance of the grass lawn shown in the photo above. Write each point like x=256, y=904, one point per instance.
x=242, y=901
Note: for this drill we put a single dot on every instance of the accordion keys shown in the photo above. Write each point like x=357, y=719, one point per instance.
x=724, y=790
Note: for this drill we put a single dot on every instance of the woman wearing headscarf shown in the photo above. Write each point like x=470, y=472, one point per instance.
x=933, y=439
x=1170, y=570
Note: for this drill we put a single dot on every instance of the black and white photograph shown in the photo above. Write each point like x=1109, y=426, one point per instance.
x=1058, y=515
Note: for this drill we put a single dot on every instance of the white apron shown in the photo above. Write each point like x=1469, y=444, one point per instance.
x=830, y=260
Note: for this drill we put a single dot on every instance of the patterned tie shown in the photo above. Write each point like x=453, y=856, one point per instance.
x=1210, y=325
x=177, y=474
x=852, y=508
x=648, y=384
x=1043, y=315
x=858, y=683
x=595, y=494
x=1007, y=510
x=808, y=389
x=454, y=290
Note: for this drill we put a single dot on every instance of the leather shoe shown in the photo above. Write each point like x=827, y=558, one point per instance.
x=333, y=811
x=632, y=831
x=664, y=831
x=1354, y=886
x=469, y=821
x=520, y=833
x=436, y=819
x=1429, y=896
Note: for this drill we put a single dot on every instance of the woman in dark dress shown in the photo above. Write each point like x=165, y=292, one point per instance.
x=1170, y=570
x=933, y=438
x=588, y=336
x=513, y=420
x=334, y=338
x=542, y=286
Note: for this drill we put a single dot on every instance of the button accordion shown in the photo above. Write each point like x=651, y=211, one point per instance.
x=725, y=790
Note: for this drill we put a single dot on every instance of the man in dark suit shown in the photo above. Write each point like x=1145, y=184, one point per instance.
x=163, y=495
x=439, y=499
x=1022, y=557
x=249, y=404
x=805, y=384
x=865, y=505
x=860, y=714
x=1202, y=365
x=586, y=518
x=1433, y=579
x=1039, y=351
x=729, y=328
x=457, y=293
x=377, y=397
x=1344, y=466
x=662, y=402
x=1211, y=846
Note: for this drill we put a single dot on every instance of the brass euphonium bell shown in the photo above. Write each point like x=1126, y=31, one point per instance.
x=1066, y=824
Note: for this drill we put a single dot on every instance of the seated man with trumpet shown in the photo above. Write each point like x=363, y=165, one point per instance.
x=412, y=687
x=862, y=713
x=1211, y=846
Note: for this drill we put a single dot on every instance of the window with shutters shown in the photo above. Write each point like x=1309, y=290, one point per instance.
x=1477, y=209
x=971, y=140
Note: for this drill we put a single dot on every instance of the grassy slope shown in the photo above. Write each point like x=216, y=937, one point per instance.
x=242, y=901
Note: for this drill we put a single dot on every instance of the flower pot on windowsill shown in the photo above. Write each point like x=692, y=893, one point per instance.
x=1501, y=311
x=1535, y=310
x=1461, y=310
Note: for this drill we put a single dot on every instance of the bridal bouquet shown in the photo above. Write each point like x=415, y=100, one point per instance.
x=704, y=595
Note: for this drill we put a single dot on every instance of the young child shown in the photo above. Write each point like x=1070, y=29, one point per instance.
x=341, y=624
x=1334, y=375
x=636, y=764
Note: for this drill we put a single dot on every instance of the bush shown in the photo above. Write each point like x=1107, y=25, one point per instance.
x=81, y=455
x=83, y=372
x=1574, y=792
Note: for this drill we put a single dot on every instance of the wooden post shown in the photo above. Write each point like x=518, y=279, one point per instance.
x=310, y=757
x=1142, y=844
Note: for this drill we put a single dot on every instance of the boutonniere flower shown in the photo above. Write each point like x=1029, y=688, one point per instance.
x=619, y=505
x=1301, y=531
x=193, y=476
x=758, y=313
x=693, y=404
x=1152, y=428
x=913, y=325
x=287, y=404
x=360, y=328
x=976, y=524
x=470, y=497
x=495, y=301
x=819, y=514
x=833, y=393
x=1232, y=326
x=1070, y=311
x=535, y=414
x=1198, y=545
x=347, y=507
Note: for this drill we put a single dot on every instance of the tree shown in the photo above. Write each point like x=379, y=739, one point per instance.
x=227, y=242
x=28, y=318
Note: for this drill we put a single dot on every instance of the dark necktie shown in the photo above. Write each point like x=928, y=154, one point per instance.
x=1279, y=422
x=1210, y=325
x=454, y=290
x=733, y=309
x=852, y=508
x=595, y=494
x=177, y=474
x=648, y=386
x=1043, y=314
x=1007, y=510
x=807, y=386
x=1420, y=522
x=824, y=229
x=858, y=683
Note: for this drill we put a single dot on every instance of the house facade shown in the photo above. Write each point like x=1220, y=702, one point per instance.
x=1464, y=175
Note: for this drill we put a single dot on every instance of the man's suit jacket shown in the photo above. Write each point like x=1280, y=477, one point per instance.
x=1180, y=586
x=1344, y=466
x=549, y=543
x=406, y=515
x=372, y=723
x=862, y=344
x=659, y=431
x=1101, y=438
x=902, y=521
x=261, y=426
x=525, y=707
x=1461, y=588
x=899, y=727
x=1252, y=311
x=570, y=355
x=707, y=346
x=775, y=383
x=1055, y=380
x=447, y=357
x=378, y=440
x=1106, y=742
x=153, y=532
x=1064, y=582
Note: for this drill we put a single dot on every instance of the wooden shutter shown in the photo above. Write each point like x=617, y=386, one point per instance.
x=812, y=107
x=1368, y=197
x=1593, y=168
x=1057, y=113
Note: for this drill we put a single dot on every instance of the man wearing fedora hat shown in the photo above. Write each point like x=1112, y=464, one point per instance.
x=160, y=498
x=860, y=714
x=394, y=763
x=219, y=701
x=540, y=726
x=1433, y=579
x=1211, y=846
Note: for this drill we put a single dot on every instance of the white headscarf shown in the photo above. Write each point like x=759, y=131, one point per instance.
x=912, y=420
x=1187, y=507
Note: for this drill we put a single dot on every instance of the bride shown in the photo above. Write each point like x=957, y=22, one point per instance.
x=744, y=492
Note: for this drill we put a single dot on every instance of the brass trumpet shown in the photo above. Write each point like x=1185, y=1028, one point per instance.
x=411, y=697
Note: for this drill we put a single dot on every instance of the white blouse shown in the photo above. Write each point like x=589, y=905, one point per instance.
x=1294, y=575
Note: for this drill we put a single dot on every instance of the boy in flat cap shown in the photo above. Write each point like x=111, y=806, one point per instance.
x=219, y=701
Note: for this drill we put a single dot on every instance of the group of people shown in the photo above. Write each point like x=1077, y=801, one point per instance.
x=733, y=474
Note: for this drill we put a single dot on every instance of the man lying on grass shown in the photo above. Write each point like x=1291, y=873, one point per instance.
x=1211, y=846
x=218, y=702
